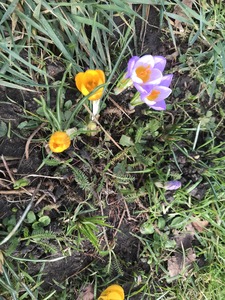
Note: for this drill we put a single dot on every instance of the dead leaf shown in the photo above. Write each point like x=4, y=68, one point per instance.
x=174, y=264
x=197, y=225
x=1, y=262
x=184, y=240
x=200, y=225
x=178, y=263
x=190, y=228
x=180, y=12
x=86, y=293
x=172, y=56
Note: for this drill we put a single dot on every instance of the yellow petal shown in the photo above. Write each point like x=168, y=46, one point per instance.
x=97, y=95
x=113, y=292
x=101, y=75
x=87, y=81
x=79, y=78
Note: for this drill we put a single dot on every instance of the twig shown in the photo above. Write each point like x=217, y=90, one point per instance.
x=7, y=169
x=119, y=107
x=8, y=237
x=120, y=222
x=108, y=135
x=17, y=192
x=29, y=140
x=45, y=176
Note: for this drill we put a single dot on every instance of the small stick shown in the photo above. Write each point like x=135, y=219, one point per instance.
x=7, y=169
x=17, y=192
x=119, y=107
x=108, y=135
x=8, y=237
x=29, y=140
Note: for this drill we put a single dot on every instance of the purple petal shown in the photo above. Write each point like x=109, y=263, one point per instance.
x=142, y=88
x=172, y=185
x=158, y=93
x=160, y=63
x=166, y=80
x=130, y=65
x=160, y=105
x=145, y=60
x=155, y=77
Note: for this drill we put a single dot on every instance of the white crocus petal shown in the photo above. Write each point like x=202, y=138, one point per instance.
x=95, y=108
x=145, y=60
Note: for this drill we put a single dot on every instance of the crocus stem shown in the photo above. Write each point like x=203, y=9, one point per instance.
x=136, y=100
x=95, y=108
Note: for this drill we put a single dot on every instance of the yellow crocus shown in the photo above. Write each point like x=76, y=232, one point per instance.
x=87, y=81
x=59, y=141
x=113, y=292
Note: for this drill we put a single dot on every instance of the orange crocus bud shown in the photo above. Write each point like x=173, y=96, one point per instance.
x=87, y=81
x=113, y=292
x=59, y=141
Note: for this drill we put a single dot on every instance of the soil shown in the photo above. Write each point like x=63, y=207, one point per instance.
x=65, y=194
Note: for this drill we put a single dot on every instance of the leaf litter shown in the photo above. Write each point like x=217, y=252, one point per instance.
x=181, y=262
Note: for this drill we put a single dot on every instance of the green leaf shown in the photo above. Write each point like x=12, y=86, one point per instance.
x=147, y=228
x=22, y=125
x=68, y=104
x=9, y=11
x=45, y=220
x=161, y=223
x=178, y=222
x=3, y=129
x=170, y=244
x=126, y=141
x=52, y=162
x=31, y=217
x=20, y=183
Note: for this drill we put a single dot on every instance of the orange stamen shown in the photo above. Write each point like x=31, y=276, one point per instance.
x=153, y=95
x=144, y=73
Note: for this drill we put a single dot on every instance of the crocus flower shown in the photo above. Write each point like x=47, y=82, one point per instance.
x=155, y=95
x=87, y=81
x=171, y=185
x=145, y=70
x=113, y=292
x=59, y=141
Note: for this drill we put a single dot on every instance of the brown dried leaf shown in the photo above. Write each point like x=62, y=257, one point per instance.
x=191, y=257
x=178, y=264
x=179, y=11
x=190, y=228
x=1, y=262
x=200, y=225
x=172, y=56
x=197, y=225
x=86, y=293
x=174, y=264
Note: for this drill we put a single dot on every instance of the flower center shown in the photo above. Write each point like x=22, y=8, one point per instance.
x=153, y=95
x=91, y=85
x=143, y=73
x=56, y=145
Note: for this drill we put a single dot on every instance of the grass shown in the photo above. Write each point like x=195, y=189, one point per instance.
x=115, y=201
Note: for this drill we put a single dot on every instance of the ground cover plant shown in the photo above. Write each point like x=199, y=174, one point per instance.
x=112, y=149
